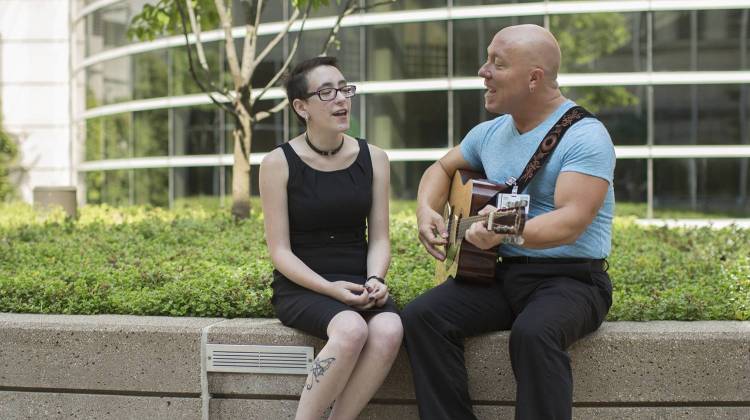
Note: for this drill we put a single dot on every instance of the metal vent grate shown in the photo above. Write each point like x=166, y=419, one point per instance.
x=294, y=360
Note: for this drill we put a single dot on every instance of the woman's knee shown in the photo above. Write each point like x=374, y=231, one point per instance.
x=386, y=332
x=349, y=331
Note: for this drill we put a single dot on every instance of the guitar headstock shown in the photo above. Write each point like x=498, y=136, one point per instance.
x=508, y=220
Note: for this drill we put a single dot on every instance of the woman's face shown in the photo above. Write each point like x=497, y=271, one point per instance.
x=330, y=115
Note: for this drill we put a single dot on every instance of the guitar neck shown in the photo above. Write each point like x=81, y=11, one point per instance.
x=465, y=223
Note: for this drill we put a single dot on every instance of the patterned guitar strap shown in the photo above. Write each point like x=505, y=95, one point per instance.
x=547, y=146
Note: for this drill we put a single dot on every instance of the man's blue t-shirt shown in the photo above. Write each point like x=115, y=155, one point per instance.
x=497, y=148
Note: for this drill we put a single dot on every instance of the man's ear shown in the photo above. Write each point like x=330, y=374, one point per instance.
x=536, y=79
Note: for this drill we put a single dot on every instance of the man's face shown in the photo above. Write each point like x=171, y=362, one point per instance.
x=505, y=77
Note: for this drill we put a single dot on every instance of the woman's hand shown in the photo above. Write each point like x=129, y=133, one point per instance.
x=352, y=294
x=378, y=292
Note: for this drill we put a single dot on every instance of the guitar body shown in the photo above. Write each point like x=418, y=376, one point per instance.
x=469, y=193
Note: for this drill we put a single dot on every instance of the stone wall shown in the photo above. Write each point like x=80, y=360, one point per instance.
x=124, y=367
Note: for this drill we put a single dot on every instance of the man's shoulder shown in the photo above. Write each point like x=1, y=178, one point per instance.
x=482, y=131
x=589, y=130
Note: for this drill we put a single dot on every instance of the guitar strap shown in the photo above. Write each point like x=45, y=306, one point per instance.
x=547, y=146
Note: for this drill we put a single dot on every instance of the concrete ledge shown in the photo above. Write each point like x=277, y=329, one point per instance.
x=56, y=366
x=46, y=405
x=623, y=362
x=128, y=354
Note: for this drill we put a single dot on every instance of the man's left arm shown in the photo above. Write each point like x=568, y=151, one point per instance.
x=578, y=198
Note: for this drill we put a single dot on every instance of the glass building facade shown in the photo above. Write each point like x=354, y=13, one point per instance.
x=669, y=81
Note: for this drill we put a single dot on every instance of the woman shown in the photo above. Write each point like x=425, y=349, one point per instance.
x=320, y=191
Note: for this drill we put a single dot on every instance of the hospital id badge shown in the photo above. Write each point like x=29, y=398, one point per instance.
x=513, y=200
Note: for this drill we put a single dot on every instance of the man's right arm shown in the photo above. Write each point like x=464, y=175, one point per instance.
x=434, y=188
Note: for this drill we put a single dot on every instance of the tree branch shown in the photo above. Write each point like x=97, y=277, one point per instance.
x=226, y=24
x=288, y=59
x=248, y=49
x=196, y=26
x=262, y=115
x=276, y=40
x=192, y=68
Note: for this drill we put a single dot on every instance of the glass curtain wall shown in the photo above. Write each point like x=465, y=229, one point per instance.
x=669, y=114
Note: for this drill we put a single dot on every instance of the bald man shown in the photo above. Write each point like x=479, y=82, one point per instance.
x=548, y=292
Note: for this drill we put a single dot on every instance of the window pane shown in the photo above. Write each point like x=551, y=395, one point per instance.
x=407, y=5
x=407, y=51
x=115, y=188
x=108, y=82
x=106, y=28
x=151, y=186
x=346, y=49
x=717, y=186
x=94, y=86
x=151, y=133
x=116, y=129
x=701, y=114
x=150, y=75
x=195, y=182
x=94, y=139
x=471, y=37
x=622, y=109
x=182, y=82
x=405, y=178
x=601, y=42
x=700, y=40
x=630, y=187
x=196, y=130
x=392, y=121
x=483, y=2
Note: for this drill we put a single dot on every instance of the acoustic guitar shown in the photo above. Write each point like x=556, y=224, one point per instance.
x=470, y=193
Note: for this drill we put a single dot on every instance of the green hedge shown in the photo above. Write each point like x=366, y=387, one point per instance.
x=196, y=261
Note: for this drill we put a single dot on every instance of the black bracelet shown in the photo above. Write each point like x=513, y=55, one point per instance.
x=380, y=279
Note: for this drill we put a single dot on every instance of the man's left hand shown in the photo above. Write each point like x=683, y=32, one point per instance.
x=479, y=236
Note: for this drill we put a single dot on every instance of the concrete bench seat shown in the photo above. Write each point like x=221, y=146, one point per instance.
x=123, y=367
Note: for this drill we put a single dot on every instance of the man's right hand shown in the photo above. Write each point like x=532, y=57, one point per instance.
x=432, y=232
x=352, y=294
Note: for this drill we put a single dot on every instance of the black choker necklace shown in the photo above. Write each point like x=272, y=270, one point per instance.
x=324, y=152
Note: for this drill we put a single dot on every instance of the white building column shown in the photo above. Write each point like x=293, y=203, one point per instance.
x=34, y=89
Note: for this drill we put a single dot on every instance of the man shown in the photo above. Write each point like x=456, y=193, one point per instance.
x=548, y=292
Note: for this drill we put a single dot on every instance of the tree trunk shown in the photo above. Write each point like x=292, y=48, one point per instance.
x=241, y=170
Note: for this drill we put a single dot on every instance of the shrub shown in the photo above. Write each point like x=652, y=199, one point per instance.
x=195, y=261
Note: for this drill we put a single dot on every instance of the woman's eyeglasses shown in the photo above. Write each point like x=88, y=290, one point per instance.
x=329, y=93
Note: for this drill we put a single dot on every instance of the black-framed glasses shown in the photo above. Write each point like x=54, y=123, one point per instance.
x=329, y=93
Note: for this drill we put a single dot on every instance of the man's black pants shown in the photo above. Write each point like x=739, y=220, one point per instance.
x=546, y=306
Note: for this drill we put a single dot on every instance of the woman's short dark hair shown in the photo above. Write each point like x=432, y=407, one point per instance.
x=295, y=82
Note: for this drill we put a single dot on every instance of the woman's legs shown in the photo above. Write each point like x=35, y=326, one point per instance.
x=347, y=333
x=383, y=343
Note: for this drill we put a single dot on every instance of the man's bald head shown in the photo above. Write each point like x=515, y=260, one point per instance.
x=533, y=45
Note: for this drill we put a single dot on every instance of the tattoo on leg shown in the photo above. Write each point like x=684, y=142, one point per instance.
x=319, y=368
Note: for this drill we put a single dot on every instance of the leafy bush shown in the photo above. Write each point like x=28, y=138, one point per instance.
x=197, y=261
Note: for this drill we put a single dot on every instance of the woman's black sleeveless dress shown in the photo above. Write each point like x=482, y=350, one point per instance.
x=327, y=223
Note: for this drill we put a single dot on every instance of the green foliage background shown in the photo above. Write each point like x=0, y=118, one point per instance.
x=196, y=261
